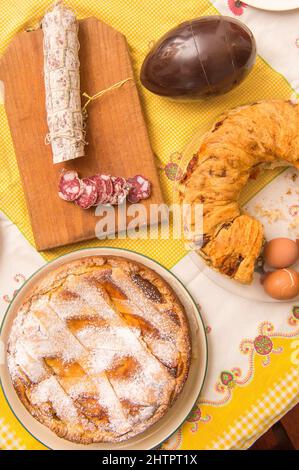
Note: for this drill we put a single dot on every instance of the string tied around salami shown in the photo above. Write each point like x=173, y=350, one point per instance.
x=103, y=92
x=72, y=136
x=81, y=132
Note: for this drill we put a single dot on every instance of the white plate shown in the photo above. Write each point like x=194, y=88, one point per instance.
x=274, y=5
x=272, y=196
x=176, y=414
x=253, y=291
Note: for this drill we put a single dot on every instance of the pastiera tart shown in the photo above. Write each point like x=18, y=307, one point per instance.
x=244, y=138
x=99, y=350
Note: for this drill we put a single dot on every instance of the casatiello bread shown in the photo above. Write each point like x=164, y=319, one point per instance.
x=242, y=139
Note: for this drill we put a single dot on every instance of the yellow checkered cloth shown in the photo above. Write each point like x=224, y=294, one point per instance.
x=171, y=126
x=275, y=402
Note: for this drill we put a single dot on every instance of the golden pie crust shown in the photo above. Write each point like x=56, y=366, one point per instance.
x=244, y=138
x=100, y=349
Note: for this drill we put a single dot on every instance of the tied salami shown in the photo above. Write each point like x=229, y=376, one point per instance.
x=102, y=189
x=62, y=84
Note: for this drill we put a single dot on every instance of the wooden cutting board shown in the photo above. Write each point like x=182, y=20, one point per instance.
x=117, y=137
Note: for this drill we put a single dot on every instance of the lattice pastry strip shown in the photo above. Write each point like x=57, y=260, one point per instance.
x=125, y=345
x=163, y=348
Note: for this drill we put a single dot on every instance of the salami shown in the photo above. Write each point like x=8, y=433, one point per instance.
x=102, y=189
x=89, y=194
x=70, y=186
x=140, y=188
x=109, y=188
x=62, y=84
x=120, y=190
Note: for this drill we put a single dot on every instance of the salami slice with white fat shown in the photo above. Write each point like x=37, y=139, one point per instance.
x=109, y=187
x=120, y=190
x=119, y=183
x=89, y=194
x=62, y=84
x=70, y=186
x=101, y=189
x=140, y=188
x=133, y=197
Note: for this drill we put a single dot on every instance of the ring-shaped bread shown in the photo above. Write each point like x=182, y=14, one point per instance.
x=242, y=139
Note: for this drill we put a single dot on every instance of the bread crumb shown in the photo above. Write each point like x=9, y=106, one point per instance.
x=294, y=227
x=272, y=215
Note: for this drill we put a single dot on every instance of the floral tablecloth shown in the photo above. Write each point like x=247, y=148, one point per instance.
x=253, y=371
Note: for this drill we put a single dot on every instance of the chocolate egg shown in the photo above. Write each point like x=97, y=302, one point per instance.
x=282, y=284
x=281, y=252
x=203, y=57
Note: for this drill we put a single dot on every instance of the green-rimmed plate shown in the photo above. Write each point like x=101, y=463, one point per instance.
x=176, y=414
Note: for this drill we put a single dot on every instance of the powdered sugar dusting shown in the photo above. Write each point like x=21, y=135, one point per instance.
x=95, y=297
x=33, y=368
x=145, y=307
x=166, y=351
x=58, y=340
x=50, y=390
x=164, y=348
x=78, y=349
x=109, y=400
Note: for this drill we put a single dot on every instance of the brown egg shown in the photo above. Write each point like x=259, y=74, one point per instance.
x=282, y=284
x=281, y=252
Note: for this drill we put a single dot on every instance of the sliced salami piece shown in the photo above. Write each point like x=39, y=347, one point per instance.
x=124, y=191
x=122, y=196
x=89, y=194
x=133, y=197
x=70, y=186
x=144, y=186
x=119, y=183
x=101, y=189
x=140, y=188
x=120, y=190
x=109, y=187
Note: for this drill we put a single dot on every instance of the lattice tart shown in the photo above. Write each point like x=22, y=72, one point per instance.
x=99, y=350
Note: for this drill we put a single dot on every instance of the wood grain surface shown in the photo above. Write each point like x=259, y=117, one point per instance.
x=117, y=137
